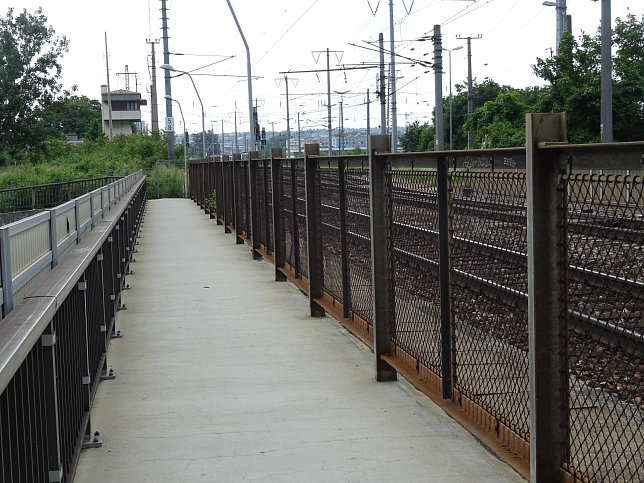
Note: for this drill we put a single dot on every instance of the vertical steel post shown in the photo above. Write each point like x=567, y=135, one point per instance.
x=6, y=271
x=50, y=394
x=225, y=166
x=344, y=256
x=278, y=238
x=237, y=199
x=254, y=206
x=447, y=316
x=219, y=193
x=547, y=317
x=381, y=256
x=313, y=227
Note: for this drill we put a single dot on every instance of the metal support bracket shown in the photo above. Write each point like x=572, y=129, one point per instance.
x=48, y=340
x=95, y=441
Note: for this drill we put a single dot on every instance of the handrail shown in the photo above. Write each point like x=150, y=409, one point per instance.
x=31, y=247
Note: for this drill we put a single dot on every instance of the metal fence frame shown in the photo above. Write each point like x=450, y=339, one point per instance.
x=53, y=344
x=540, y=450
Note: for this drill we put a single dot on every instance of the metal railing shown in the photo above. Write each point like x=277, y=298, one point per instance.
x=48, y=195
x=507, y=284
x=63, y=272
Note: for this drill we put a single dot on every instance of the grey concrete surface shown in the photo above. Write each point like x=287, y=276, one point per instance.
x=222, y=376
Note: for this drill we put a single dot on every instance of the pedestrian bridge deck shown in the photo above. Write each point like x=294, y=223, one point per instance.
x=223, y=376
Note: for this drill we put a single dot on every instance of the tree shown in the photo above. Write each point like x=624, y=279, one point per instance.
x=71, y=115
x=410, y=139
x=574, y=77
x=628, y=90
x=499, y=123
x=29, y=79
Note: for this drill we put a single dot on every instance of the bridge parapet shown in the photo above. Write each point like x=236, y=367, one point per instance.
x=63, y=272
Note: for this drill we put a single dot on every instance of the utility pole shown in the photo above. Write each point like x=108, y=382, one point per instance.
x=127, y=75
x=168, y=88
x=109, y=92
x=438, y=89
x=368, y=121
x=299, y=136
x=153, y=88
x=223, y=142
x=328, y=88
x=607, y=75
x=341, y=131
x=470, y=91
x=288, y=119
x=392, y=81
x=288, y=122
x=383, y=106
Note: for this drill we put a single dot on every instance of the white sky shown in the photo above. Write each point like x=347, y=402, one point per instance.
x=282, y=34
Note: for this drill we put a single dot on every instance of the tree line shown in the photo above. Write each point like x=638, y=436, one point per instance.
x=573, y=85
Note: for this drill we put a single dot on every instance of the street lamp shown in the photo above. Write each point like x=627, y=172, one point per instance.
x=451, y=136
x=203, y=116
x=185, y=150
x=560, y=6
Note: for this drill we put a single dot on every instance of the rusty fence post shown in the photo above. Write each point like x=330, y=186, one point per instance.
x=547, y=295
x=233, y=193
x=313, y=226
x=381, y=256
x=253, y=194
x=237, y=202
x=277, y=192
x=344, y=256
x=444, y=274
x=219, y=189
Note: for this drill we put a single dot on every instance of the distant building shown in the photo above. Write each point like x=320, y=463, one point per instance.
x=126, y=109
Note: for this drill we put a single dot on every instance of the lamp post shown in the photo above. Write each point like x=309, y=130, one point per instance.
x=251, y=117
x=203, y=116
x=185, y=151
x=560, y=6
x=451, y=136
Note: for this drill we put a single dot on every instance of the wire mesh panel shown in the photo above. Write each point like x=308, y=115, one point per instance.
x=330, y=218
x=359, y=241
x=228, y=193
x=219, y=189
x=287, y=214
x=300, y=192
x=606, y=321
x=489, y=292
x=262, y=207
x=415, y=243
x=244, y=190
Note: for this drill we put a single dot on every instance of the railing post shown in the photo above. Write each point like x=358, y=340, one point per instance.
x=219, y=190
x=53, y=237
x=445, y=269
x=225, y=166
x=237, y=199
x=5, y=267
x=313, y=227
x=254, y=206
x=547, y=307
x=344, y=256
x=278, y=239
x=50, y=395
x=381, y=256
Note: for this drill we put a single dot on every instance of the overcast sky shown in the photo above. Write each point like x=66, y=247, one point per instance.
x=284, y=35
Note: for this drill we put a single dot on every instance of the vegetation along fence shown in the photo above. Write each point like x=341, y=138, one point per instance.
x=63, y=271
x=48, y=195
x=506, y=284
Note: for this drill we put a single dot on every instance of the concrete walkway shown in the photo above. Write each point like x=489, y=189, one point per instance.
x=222, y=376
